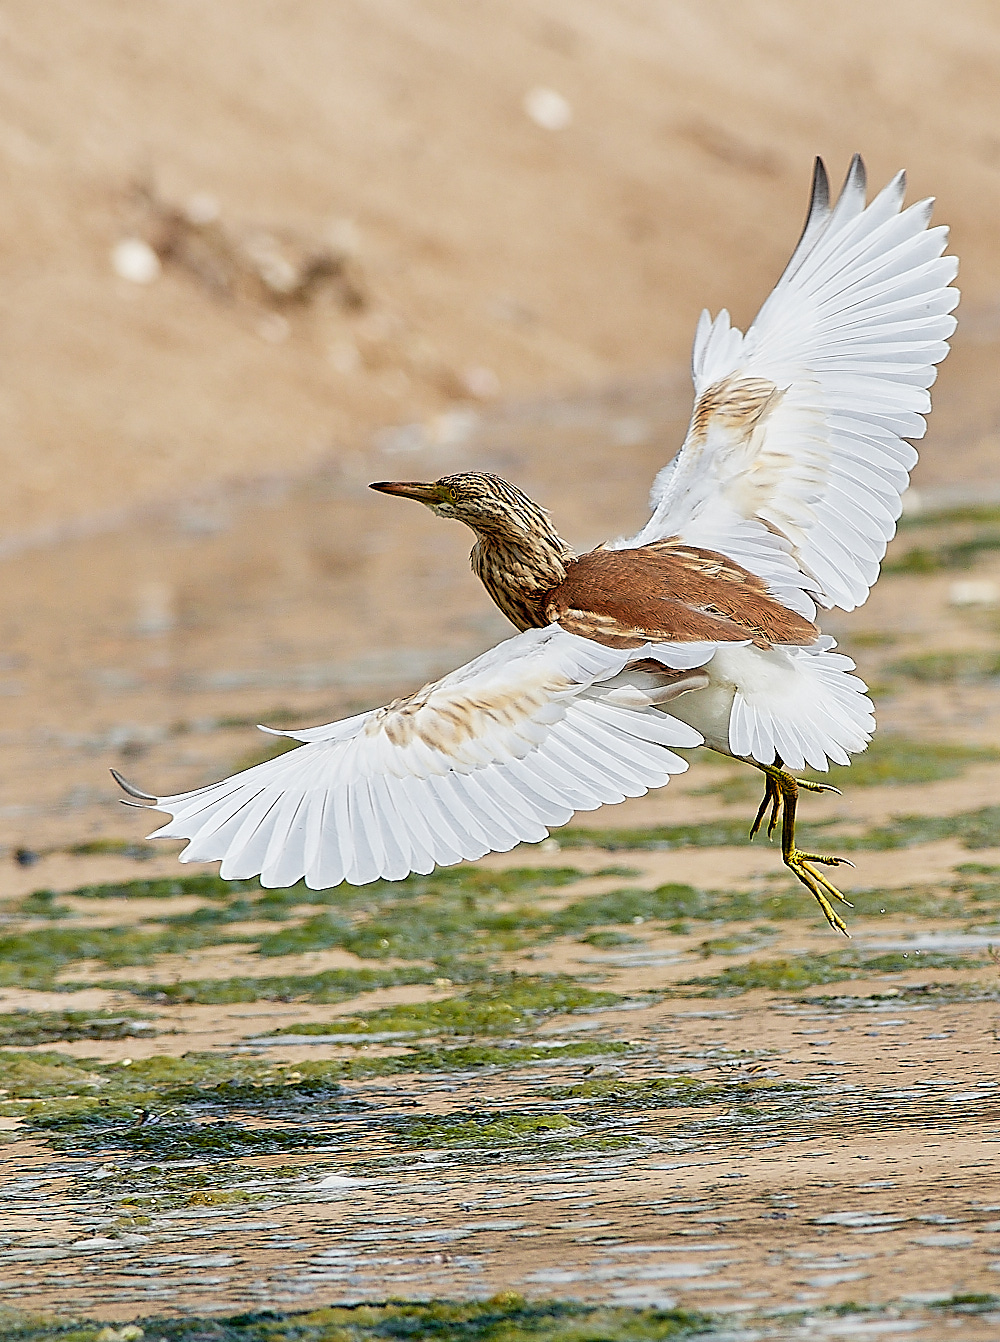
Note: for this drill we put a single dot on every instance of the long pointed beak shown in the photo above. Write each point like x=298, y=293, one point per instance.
x=411, y=489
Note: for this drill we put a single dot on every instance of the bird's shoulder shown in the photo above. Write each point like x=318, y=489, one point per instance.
x=670, y=592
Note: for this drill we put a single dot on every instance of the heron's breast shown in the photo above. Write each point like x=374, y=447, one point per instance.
x=517, y=583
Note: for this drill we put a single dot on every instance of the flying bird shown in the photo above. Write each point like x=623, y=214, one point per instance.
x=699, y=630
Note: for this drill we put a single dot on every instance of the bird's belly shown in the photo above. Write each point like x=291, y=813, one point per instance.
x=794, y=703
x=749, y=670
x=707, y=710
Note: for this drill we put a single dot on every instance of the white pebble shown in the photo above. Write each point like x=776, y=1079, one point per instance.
x=974, y=592
x=277, y=272
x=548, y=109
x=135, y=261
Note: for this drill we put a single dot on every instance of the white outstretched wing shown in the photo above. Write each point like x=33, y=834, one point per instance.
x=542, y=725
x=796, y=456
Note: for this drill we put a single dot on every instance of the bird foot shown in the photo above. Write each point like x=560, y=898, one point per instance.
x=800, y=864
x=781, y=791
x=810, y=786
x=772, y=799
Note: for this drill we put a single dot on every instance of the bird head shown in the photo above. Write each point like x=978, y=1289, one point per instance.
x=487, y=503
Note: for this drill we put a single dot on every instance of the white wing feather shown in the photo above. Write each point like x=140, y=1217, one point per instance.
x=485, y=758
x=802, y=485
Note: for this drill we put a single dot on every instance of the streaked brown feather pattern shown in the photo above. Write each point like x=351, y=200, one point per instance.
x=669, y=592
x=737, y=402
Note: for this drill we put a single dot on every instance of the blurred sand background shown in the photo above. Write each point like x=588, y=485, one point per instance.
x=374, y=262
x=553, y=259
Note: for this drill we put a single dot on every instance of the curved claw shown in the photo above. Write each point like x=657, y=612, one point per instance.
x=130, y=788
x=827, y=860
x=809, y=786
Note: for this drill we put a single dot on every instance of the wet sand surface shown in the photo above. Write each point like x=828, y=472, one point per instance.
x=631, y=1065
x=810, y=1124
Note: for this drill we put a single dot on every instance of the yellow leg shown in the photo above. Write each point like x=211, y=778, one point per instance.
x=781, y=794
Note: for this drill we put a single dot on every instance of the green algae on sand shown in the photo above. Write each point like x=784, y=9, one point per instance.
x=327, y=986
x=506, y=1317
x=892, y=760
x=507, y=1006
x=485, y=1128
x=674, y=1092
x=23, y=1028
x=502, y=1318
x=979, y=828
x=788, y=974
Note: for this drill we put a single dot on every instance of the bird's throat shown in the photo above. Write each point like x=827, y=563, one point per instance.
x=519, y=574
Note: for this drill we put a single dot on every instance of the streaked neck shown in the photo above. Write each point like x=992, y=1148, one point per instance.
x=520, y=569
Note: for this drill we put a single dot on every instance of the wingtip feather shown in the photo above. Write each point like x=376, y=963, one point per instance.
x=857, y=174
x=819, y=199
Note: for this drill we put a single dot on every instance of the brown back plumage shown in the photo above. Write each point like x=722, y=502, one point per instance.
x=671, y=593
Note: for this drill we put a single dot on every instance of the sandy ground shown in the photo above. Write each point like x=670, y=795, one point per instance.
x=877, y=1187
x=189, y=548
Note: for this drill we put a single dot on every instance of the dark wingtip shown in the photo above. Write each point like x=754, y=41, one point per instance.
x=816, y=215
x=857, y=173
x=820, y=198
x=132, y=791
